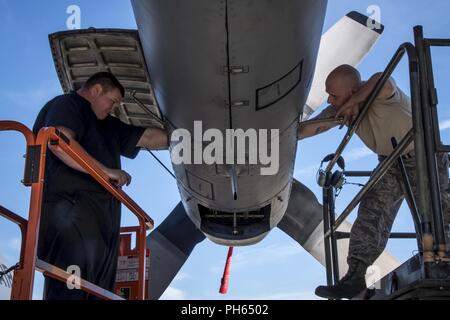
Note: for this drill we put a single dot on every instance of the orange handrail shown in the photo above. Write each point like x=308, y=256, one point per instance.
x=24, y=276
x=59, y=274
x=21, y=222
x=17, y=126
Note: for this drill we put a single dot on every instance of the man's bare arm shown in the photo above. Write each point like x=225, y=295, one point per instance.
x=316, y=126
x=386, y=92
x=120, y=177
x=154, y=139
x=351, y=108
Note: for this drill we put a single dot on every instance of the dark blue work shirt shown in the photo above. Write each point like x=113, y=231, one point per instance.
x=105, y=140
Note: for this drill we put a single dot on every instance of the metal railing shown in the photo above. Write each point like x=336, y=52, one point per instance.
x=427, y=212
x=34, y=177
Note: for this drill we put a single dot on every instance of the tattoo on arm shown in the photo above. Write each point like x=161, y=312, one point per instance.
x=320, y=129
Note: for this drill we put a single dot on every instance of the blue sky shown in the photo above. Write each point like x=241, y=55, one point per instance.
x=276, y=268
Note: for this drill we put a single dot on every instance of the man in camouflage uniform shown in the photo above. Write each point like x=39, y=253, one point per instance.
x=389, y=116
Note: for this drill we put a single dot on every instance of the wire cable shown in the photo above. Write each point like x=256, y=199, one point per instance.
x=161, y=163
x=13, y=268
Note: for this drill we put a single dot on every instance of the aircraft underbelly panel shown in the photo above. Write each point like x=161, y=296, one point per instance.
x=211, y=184
x=185, y=48
x=233, y=65
x=276, y=44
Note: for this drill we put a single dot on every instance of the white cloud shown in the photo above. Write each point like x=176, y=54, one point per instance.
x=182, y=276
x=300, y=295
x=10, y=251
x=173, y=294
x=306, y=171
x=273, y=254
x=13, y=244
x=32, y=99
x=38, y=289
x=357, y=154
x=444, y=125
x=349, y=156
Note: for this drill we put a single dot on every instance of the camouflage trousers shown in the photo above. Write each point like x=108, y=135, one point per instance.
x=380, y=205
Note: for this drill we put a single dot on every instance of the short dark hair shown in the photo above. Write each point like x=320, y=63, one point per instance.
x=107, y=80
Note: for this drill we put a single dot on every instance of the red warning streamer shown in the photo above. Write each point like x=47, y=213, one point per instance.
x=226, y=273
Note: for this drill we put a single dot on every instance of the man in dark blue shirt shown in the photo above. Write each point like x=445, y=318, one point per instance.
x=80, y=220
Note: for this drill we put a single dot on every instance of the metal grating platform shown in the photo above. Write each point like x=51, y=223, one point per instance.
x=415, y=280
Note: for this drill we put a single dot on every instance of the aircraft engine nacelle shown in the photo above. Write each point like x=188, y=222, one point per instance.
x=222, y=65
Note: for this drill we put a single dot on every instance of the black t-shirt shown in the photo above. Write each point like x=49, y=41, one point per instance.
x=105, y=140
